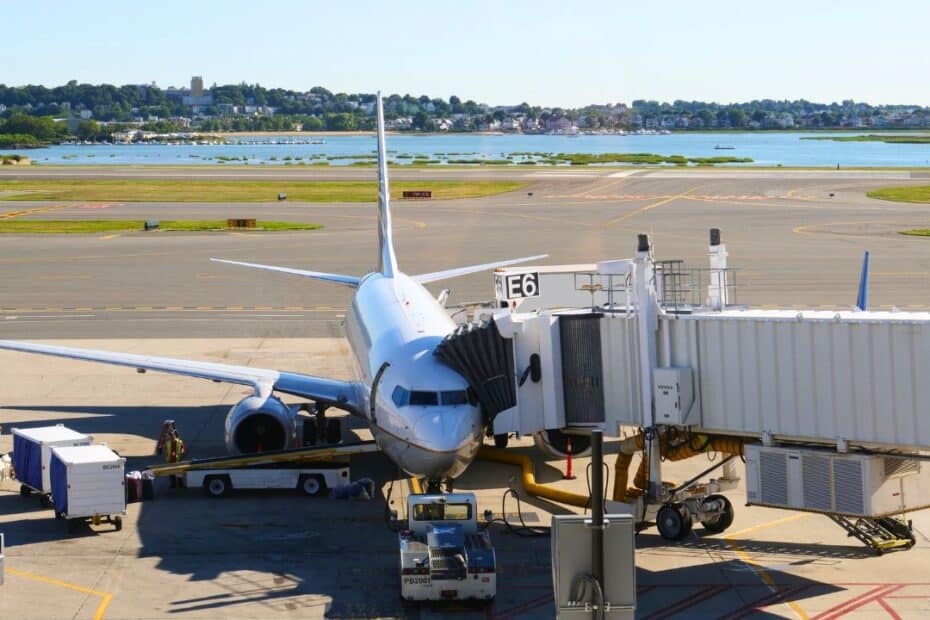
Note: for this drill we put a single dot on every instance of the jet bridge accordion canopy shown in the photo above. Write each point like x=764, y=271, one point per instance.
x=479, y=353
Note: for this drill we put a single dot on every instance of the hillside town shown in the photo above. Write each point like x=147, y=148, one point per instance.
x=125, y=113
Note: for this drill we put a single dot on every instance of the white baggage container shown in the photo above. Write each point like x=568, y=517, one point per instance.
x=32, y=451
x=88, y=482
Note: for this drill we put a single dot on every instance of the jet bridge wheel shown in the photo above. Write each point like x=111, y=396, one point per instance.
x=673, y=521
x=723, y=520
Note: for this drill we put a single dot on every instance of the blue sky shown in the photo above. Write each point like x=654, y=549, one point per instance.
x=503, y=52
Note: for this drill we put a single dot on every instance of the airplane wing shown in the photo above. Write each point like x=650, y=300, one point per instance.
x=341, y=394
x=461, y=271
x=319, y=275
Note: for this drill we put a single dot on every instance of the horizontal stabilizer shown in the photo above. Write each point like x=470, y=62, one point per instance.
x=462, y=271
x=319, y=275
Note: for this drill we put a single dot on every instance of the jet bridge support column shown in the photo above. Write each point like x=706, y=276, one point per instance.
x=646, y=304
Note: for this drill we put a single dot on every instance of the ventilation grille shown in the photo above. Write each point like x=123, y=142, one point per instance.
x=773, y=474
x=847, y=481
x=895, y=467
x=818, y=491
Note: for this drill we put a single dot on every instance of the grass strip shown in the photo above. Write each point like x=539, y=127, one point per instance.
x=166, y=190
x=910, y=193
x=109, y=226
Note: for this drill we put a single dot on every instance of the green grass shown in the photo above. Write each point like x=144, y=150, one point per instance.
x=889, y=139
x=139, y=190
x=912, y=193
x=107, y=226
x=583, y=159
x=917, y=232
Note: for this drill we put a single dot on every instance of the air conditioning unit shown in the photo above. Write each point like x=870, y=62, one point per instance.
x=821, y=480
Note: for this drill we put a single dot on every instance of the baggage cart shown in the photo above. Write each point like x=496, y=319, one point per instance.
x=88, y=483
x=32, y=450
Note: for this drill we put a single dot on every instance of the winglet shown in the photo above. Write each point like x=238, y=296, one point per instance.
x=862, y=301
x=387, y=261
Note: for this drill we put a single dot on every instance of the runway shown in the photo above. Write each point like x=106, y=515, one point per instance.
x=797, y=236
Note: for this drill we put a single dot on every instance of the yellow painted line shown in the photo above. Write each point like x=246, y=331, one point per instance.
x=105, y=237
x=649, y=207
x=205, y=307
x=142, y=308
x=264, y=308
x=235, y=308
x=112, y=308
x=83, y=309
x=174, y=308
x=757, y=568
x=293, y=307
x=52, y=309
x=105, y=597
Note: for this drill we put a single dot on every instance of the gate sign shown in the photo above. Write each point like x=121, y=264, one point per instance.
x=517, y=285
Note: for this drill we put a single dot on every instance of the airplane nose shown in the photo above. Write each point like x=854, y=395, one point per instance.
x=449, y=430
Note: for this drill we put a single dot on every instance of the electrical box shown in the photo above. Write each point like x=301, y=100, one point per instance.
x=674, y=394
x=815, y=479
x=571, y=557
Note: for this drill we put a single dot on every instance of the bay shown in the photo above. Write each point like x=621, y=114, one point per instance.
x=764, y=148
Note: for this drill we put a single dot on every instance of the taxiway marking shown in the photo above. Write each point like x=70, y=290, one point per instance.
x=757, y=568
x=105, y=597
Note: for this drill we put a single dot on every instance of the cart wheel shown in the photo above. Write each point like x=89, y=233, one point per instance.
x=670, y=522
x=217, y=486
x=59, y=515
x=501, y=441
x=312, y=485
x=722, y=521
x=118, y=522
x=24, y=490
x=46, y=501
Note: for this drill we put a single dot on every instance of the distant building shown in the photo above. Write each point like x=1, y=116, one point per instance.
x=86, y=114
x=197, y=98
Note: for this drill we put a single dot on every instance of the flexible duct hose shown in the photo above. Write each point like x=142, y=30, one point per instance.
x=529, y=477
x=693, y=446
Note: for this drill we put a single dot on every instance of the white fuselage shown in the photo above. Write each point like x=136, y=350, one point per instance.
x=422, y=418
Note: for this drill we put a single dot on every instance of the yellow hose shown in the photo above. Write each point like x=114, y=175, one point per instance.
x=529, y=477
x=709, y=443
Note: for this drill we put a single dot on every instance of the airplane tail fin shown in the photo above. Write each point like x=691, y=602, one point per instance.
x=862, y=301
x=387, y=260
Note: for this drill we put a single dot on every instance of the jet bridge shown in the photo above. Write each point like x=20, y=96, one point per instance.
x=655, y=345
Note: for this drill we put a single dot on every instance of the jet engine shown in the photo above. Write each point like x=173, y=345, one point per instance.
x=260, y=425
x=554, y=443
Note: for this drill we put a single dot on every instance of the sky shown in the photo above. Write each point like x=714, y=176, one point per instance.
x=497, y=52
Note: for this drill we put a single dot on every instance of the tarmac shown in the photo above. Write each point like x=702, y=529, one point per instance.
x=278, y=555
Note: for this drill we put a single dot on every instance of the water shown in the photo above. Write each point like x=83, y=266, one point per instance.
x=766, y=149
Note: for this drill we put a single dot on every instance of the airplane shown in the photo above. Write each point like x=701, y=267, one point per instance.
x=420, y=411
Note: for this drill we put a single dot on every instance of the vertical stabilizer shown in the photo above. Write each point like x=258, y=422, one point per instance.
x=387, y=261
x=862, y=301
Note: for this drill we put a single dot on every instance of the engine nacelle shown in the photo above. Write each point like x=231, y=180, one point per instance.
x=554, y=443
x=260, y=425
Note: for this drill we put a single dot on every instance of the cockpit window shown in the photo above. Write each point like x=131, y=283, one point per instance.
x=454, y=397
x=424, y=398
x=400, y=396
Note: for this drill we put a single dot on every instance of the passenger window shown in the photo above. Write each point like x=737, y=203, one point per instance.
x=400, y=396
x=454, y=397
x=424, y=398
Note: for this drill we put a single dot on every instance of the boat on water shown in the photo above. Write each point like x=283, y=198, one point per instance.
x=722, y=147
